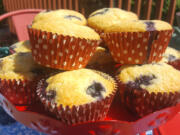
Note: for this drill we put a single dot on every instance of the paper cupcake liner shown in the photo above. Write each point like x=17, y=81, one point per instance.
x=77, y=114
x=137, y=47
x=61, y=52
x=18, y=92
x=141, y=102
x=175, y=64
x=100, y=32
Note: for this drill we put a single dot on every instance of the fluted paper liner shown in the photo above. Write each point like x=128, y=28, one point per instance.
x=77, y=114
x=137, y=47
x=100, y=32
x=142, y=102
x=61, y=52
x=19, y=92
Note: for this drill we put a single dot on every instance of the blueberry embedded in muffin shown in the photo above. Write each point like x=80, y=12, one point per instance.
x=77, y=89
x=141, y=80
x=71, y=17
x=170, y=55
x=96, y=90
x=101, y=12
x=148, y=88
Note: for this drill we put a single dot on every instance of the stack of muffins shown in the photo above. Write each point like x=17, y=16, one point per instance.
x=146, y=82
x=70, y=72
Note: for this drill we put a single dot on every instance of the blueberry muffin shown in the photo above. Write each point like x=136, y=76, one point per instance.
x=62, y=45
x=18, y=76
x=73, y=91
x=61, y=15
x=17, y=66
x=138, y=42
x=170, y=55
x=149, y=87
x=102, y=61
x=105, y=17
x=23, y=46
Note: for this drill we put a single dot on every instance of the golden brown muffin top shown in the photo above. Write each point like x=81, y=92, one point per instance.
x=105, y=17
x=157, y=77
x=61, y=15
x=66, y=29
x=79, y=87
x=138, y=26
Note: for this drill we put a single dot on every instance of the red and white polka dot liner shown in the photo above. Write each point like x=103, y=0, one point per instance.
x=141, y=102
x=135, y=47
x=18, y=92
x=61, y=52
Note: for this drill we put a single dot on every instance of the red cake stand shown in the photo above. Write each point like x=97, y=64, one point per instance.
x=118, y=122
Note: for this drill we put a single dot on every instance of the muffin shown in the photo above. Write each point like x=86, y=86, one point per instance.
x=18, y=76
x=62, y=45
x=23, y=46
x=149, y=87
x=77, y=96
x=105, y=17
x=138, y=42
x=172, y=57
x=61, y=15
x=102, y=61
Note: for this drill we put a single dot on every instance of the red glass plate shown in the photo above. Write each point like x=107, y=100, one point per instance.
x=118, y=122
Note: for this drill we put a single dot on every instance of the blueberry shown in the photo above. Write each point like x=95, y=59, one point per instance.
x=171, y=58
x=72, y=16
x=95, y=90
x=100, y=12
x=150, y=26
x=142, y=80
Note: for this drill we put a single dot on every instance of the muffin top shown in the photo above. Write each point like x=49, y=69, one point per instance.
x=79, y=87
x=23, y=46
x=102, y=18
x=159, y=77
x=19, y=66
x=66, y=29
x=138, y=26
x=101, y=56
x=61, y=15
x=170, y=55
